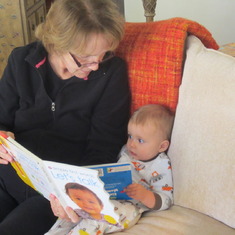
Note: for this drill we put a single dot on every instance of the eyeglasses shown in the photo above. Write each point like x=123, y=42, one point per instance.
x=107, y=56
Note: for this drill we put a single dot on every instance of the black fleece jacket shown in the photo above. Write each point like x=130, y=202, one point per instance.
x=85, y=124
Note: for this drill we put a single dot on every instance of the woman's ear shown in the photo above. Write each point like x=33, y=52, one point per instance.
x=164, y=145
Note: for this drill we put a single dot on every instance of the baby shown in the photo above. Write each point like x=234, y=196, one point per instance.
x=149, y=131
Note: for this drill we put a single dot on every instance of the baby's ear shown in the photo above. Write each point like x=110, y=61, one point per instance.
x=164, y=145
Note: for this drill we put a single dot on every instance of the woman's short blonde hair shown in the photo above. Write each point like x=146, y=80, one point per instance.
x=70, y=23
x=160, y=117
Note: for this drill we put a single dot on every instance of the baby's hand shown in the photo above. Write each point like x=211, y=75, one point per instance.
x=136, y=191
x=141, y=194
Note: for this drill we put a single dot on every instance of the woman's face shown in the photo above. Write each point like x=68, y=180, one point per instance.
x=81, y=65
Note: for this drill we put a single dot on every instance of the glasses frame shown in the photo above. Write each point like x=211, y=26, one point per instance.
x=107, y=56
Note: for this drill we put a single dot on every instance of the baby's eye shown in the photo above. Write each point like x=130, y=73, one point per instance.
x=141, y=141
x=130, y=136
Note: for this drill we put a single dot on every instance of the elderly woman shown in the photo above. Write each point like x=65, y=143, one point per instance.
x=66, y=98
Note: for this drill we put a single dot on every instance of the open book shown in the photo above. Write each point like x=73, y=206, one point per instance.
x=106, y=181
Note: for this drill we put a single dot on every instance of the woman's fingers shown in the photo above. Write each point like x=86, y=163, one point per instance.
x=5, y=157
x=72, y=215
x=11, y=134
x=57, y=208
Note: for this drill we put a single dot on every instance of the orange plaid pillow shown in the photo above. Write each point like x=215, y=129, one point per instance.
x=154, y=53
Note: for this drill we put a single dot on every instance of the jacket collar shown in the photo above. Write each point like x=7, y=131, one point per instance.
x=37, y=55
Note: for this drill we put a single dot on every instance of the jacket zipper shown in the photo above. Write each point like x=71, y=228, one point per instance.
x=53, y=106
x=53, y=109
x=52, y=103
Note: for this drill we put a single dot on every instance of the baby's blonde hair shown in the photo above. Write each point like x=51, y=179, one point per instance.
x=70, y=23
x=154, y=114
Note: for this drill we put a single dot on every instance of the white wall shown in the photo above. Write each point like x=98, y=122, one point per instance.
x=218, y=16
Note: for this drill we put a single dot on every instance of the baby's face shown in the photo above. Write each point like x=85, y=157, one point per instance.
x=144, y=141
x=86, y=201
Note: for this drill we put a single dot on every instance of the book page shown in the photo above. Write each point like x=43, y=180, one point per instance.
x=86, y=182
x=28, y=166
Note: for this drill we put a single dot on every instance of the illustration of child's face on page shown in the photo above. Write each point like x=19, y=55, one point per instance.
x=87, y=202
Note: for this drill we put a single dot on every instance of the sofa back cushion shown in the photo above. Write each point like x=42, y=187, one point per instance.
x=203, y=140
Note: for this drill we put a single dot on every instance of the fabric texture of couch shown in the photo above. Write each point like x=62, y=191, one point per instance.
x=202, y=147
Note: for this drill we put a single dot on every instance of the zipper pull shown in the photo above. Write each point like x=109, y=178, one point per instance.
x=53, y=107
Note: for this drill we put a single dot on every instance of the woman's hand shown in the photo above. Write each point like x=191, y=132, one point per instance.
x=67, y=214
x=5, y=157
x=8, y=133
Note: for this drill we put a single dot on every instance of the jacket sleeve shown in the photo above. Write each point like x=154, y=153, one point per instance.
x=9, y=99
x=109, y=122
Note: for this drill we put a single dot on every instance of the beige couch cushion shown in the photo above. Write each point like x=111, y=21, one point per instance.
x=178, y=221
x=203, y=140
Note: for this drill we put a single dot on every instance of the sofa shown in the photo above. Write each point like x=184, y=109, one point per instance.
x=176, y=63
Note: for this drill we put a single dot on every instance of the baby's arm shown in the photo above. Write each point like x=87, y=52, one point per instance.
x=140, y=193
